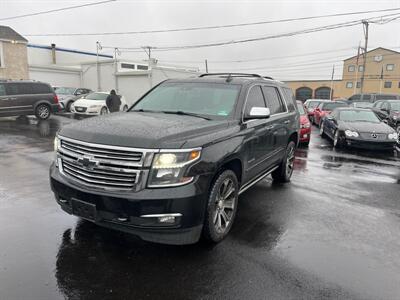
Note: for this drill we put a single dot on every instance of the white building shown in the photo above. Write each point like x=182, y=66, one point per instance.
x=73, y=68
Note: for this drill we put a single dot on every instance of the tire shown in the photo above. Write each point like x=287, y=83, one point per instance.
x=125, y=108
x=68, y=106
x=306, y=144
x=221, y=207
x=322, y=129
x=42, y=111
x=337, y=142
x=398, y=130
x=311, y=119
x=103, y=111
x=285, y=169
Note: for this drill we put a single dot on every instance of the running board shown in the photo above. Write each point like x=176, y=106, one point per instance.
x=249, y=185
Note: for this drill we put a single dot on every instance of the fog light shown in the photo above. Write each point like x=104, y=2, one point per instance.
x=167, y=219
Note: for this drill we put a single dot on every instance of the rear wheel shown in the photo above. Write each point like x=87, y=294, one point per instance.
x=42, y=111
x=322, y=130
x=221, y=207
x=125, y=108
x=285, y=169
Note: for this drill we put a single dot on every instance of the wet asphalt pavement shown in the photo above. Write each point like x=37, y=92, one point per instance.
x=333, y=232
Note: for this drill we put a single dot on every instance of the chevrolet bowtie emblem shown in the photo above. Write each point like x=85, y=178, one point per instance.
x=88, y=162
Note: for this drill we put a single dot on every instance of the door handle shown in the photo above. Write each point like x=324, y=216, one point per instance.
x=5, y=99
x=13, y=98
x=286, y=121
x=269, y=127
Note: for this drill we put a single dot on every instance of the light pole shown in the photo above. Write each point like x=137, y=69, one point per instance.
x=116, y=52
x=98, y=48
x=365, y=24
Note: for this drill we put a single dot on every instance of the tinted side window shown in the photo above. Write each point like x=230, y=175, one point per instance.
x=274, y=102
x=2, y=90
x=289, y=98
x=12, y=89
x=367, y=97
x=40, y=88
x=355, y=97
x=254, y=99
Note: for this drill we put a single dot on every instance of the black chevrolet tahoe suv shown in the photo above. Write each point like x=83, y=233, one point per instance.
x=26, y=97
x=171, y=169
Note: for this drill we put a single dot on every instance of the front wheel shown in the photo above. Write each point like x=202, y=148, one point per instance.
x=68, y=106
x=285, y=170
x=125, y=108
x=42, y=111
x=337, y=141
x=103, y=111
x=221, y=207
x=322, y=130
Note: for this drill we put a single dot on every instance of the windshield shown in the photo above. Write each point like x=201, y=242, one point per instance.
x=96, y=96
x=65, y=91
x=395, y=106
x=358, y=116
x=301, y=108
x=332, y=106
x=210, y=99
x=313, y=104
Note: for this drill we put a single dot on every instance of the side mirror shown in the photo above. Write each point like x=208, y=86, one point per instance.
x=78, y=93
x=258, y=113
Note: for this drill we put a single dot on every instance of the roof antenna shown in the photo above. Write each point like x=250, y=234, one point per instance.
x=229, y=78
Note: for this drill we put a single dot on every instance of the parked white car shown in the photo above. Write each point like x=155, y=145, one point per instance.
x=95, y=104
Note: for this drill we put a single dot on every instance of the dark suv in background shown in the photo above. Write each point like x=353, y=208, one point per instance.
x=388, y=110
x=171, y=169
x=23, y=97
x=372, y=97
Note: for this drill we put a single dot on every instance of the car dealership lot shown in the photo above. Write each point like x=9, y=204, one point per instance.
x=333, y=232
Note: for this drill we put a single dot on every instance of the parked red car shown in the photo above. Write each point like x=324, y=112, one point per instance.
x=310, y=105
x=325, y=108
x=305, y=125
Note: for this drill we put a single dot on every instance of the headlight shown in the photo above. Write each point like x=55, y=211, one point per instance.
x=169, y=168
x=57, y=144
x=393, y=136
x=350, y=133
x=305, y=125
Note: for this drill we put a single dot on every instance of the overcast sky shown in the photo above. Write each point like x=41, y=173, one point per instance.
x=132, y=15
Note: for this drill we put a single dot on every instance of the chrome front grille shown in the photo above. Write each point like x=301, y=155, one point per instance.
x=100, y=166
x=373, y=136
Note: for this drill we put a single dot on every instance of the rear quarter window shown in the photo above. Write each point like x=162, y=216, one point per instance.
x=40, y=88
x=289, y=99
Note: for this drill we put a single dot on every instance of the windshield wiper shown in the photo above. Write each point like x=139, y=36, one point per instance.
x=143, y=110
x=184, y=113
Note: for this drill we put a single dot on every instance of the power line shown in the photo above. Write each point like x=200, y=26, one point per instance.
x=215, y=26
x=255, y=39
x=55, y=10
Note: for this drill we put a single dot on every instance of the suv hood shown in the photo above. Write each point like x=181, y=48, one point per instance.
x=366, y=127
x=145, y=130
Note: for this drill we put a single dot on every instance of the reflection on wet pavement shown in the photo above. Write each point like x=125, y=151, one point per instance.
x=333, y=232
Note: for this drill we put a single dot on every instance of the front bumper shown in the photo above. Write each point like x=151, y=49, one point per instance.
x=369, y=144
x=124, y=211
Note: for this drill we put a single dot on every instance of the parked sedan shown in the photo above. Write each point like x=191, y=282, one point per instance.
x=358, y=127
x=325, y=108
x=67, y=95
x=389, y=110
x=305, y=125
x=311, y=105
x=95, y=104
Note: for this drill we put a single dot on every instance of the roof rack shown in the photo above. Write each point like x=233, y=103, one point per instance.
x=231, y=75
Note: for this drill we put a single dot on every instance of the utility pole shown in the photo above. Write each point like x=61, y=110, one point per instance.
x=206, y=66
x=147, y=49
x=333, y=74
x=116, y=52
x=98, y=48
x=365, y=27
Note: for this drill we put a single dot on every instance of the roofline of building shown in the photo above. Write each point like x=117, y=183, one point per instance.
x=373, y=50
x=68, y=50
x=13, y=41
x=310, y=80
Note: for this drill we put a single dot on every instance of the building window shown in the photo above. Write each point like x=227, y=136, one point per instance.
x=349, y=84
x=323, y=93
x=360, y=68
x=1, y=55
x=358, y=85
x=389, y=67
x=351, y=68
x=127, y=66
x=142, y=67
x=388, y=84
x=304, y=93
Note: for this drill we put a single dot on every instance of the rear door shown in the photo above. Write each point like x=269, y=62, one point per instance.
x=259, y=138
x=281, y=120
x=22, y=94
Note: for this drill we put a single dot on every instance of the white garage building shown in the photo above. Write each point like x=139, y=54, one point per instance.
x=73, y=68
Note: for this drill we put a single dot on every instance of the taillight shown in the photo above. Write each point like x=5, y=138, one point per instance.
x=56, y=98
